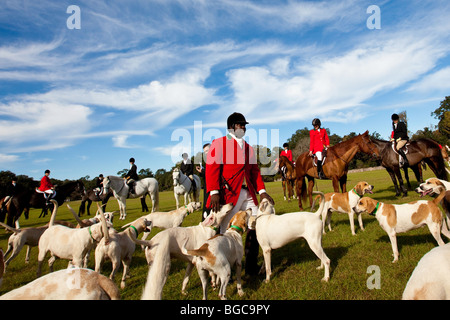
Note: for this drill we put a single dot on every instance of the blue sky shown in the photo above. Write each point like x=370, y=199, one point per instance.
x=132, y=81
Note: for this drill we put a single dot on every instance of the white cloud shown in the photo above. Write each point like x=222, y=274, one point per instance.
x=6, y=159
x=439, y=80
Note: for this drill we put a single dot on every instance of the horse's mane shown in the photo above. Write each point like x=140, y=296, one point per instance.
x=340, y=148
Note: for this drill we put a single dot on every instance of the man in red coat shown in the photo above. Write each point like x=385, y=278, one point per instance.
x=46, y=186
x=233, y=176
x=318, y=141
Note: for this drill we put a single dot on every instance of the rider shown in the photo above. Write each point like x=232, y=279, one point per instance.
x=318, y=142
x=187, y=168
x=132, y=176
x=11, y=191
x=46, y=186
x=99, y=185
x=400, y=135
x=288, y=154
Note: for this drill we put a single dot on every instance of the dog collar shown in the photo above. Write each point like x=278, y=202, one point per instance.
x=376, y=209
x=135, y=230
x=237, y=228
x=90, y=233
x=357, y=193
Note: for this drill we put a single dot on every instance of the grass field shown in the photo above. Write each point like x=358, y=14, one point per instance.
x=294, y=266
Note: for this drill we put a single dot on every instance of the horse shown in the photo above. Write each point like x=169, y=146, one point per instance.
x=182, y=185
x=121, y=191
x=335, y=166
x=289, y=176
x=421, y=150
x=27, y=199
x=89, y=196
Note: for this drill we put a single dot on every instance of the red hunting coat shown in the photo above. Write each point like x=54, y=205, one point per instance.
x=45, y=184
x=226, y=162
x=318, y=140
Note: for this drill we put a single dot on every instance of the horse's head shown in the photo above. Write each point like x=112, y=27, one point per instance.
x=176, y=176
x=106, y=184
x=367, y=146
x=80, y=187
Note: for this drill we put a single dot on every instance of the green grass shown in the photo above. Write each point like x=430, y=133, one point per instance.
x=294, y=266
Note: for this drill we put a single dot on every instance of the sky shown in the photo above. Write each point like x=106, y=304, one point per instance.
x=83, y=89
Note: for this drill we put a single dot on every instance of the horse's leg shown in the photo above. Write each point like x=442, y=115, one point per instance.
x=405, y=170
x=335, y=181
x=343, y=183
x=283, y=184
x=299, y=186
x=310, y=190
x=176, y=199
x=398, y=173
x=394, y=180
x=88, y=207
x=123, y=209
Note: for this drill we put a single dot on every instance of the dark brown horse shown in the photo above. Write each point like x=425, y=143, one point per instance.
x=424, y=149
x=289, y=176
x=91, y=195
x=335, y=166
x=31, y=199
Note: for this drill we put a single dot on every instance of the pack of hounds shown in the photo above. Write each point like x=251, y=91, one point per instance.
x=215, y=255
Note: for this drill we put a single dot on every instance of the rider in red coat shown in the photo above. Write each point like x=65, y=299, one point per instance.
x=45, y=182
x=318, y=142
x=233, y=176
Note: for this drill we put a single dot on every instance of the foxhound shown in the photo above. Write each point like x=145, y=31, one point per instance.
x=398, y=218
x=430, y=279
x=344, y=202
x=275, y=231
x=432, y=187
x=220, y=253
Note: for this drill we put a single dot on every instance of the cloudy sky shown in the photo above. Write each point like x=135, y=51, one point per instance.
x=153, y=78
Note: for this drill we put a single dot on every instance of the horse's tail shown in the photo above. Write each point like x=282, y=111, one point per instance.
x=158, y=271
x=304, y=191
x=55, y=208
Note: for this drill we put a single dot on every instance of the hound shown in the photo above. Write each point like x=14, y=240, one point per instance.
x=67, y=284
x=171, y=219
x=432, y=187
x=344, y=202
x=398, y=218
x=220, y=253
x=120, y=248
x=275, y=231
x=71, y=244
x=173, y=240
x=26, y=236
x=430, y=279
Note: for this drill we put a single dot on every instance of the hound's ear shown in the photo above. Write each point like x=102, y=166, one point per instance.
x=263, y=205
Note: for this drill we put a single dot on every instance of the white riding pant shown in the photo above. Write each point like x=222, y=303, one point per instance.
x=245, y=201
x=319, y=155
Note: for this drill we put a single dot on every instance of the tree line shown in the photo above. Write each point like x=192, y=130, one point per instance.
x=298, y=143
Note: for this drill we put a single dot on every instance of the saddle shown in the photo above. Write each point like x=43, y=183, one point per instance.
x=46, y=195
x=401, y=161
x=324, y=158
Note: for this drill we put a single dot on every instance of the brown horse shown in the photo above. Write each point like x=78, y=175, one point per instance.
x=289, y=176
x=424, y=149
x=335, y=166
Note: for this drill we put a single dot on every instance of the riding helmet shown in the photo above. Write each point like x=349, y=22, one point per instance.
x=234, y=119
x=395, y=117
x=316, y=122
x=132, y=160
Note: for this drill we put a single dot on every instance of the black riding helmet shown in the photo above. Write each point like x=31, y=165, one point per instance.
x=235, y=118
x=316, y=122
x=395, y=117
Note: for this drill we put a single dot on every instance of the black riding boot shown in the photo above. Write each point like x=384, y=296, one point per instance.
x=402, y=153
x=319, y=170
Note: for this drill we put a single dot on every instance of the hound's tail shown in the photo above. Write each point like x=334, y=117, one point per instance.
x=322, y=203
x=55, y=208
x=158, y=271
x=16, y=231
x=80, y=222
